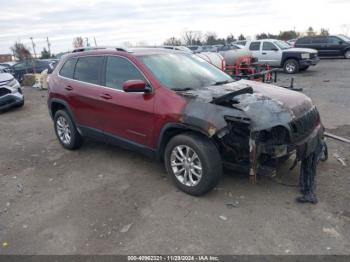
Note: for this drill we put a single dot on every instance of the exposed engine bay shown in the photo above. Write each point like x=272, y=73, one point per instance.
x=256, y=125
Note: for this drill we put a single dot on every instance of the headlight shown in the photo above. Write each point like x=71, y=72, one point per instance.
x=305, y=56
x=14, y=85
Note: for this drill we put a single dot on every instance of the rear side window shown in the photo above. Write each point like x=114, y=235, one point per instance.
x=304, y=40
x=254, y=46
x=267, y=46
x=88, y=69
x=119, y=70
x=319, y=40
x=67, y=69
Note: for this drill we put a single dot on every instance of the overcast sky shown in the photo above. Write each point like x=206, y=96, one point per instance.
x=113, y=22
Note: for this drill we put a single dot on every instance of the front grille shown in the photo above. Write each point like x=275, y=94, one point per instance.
x=4, y=91
x=304, y=125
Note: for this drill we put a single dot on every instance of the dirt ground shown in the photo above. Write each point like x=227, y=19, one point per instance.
x=106, y=200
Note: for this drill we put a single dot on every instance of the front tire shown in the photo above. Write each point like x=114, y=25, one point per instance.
x=66, y=131
x=291, y=66
x=193, y=162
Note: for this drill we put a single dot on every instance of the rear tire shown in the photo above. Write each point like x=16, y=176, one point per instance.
x=66, y=131
x=291, y=66
x=347, y=54
x=199, y=175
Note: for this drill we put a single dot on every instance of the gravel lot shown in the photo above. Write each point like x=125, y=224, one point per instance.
x=106, y=200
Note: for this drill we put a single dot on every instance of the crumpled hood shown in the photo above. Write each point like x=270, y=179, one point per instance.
x=266, y=106
x=300, y=50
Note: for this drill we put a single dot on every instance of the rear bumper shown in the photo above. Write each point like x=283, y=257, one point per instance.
x=309, y=62
x=11, y=100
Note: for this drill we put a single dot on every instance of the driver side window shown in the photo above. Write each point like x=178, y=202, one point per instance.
x=267, y=46
x=119, y=70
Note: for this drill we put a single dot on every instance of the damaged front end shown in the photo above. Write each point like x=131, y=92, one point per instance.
x=255, y=125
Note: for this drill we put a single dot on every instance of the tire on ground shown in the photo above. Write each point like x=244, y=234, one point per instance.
x=209, y=156
x=76, y=139
x=289, y=64
x=347, y=54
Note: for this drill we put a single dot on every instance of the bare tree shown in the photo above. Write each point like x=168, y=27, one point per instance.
x=324, y=32
x=241, y=37
x=310, y=32
x=172, y=41
x=192, y=37
x=78, y=42
x=21, y=51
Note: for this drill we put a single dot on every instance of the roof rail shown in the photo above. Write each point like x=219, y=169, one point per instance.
x=88, y=48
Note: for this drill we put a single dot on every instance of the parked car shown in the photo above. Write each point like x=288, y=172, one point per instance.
x=291, y=42
x=10, y=92
x=7, y=66
x=175, y=107
x=277, y=53
x=240, y=42
x=334, y=45
x=228, y=47
x=31, y=66
x=196, y=48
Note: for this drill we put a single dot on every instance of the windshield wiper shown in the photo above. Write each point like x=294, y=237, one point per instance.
x=182, y=89
x=218, y=83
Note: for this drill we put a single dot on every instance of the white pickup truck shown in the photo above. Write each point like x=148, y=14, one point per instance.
x=278, y=53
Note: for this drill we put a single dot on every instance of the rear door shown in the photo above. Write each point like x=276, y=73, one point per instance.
x=126, y=116
x=254, y=47
x=83, y=92
x=320, y=43
x=270, y=54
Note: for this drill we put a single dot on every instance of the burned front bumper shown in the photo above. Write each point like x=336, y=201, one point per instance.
x=10, y=98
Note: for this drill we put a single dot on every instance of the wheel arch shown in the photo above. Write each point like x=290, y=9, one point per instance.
x=56, y=104
x=172, y=129
x=286, y=56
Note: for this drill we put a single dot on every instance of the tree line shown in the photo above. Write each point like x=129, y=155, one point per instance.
x=187, y=38
x=190, y=37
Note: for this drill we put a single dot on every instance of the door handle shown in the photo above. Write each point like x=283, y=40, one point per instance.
x=264, y=53
x=106, y=96
x=69, y=88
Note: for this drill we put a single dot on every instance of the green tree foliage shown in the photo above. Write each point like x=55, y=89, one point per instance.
x=45, y=54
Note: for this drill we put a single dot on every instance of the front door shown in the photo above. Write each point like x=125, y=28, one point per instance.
x=270, y=54
x=127, y=116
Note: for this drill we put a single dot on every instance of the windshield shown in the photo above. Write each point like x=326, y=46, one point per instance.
x=282, y=45
x=344, y=37
x=184, y=71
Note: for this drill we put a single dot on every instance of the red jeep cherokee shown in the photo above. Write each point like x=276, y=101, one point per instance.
x=176, y=107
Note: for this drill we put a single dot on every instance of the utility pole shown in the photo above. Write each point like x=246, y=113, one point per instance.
x=48, y=44
x=33, y=44
x=87, y=41
x=95, y=41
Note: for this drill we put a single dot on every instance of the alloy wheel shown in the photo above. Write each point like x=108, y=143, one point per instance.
x=186, y=165
x=63, y=130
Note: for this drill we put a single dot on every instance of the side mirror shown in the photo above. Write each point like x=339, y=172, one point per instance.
x=136, y=86
x=274, y=49
x=341, y=42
